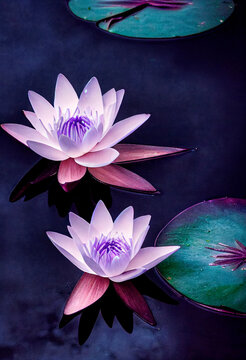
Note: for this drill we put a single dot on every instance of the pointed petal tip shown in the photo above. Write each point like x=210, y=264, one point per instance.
x=30, y=93
x=94, y=78
x=134, y=300
x=176, y=248
x=69, y=186
x=60, y=75
x=49, y=234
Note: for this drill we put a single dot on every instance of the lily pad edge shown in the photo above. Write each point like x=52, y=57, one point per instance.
x=218, y=310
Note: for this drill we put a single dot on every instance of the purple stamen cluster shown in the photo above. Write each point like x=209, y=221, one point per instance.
x=109, y=247
x=75, y=127
x=233, y=256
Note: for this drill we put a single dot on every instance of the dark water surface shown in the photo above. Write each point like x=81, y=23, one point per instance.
x=195, y=90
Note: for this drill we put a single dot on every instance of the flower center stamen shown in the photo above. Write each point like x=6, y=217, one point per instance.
x=110, y=247
x=75, y=127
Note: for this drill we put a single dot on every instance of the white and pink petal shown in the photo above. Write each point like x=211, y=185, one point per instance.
x=24, y=133
x=36, y=123
x=123, y=224
x=90, y=139
x=80, y=226
x=69, y=249
x=151, y=256
x=115, y=266
x=70, y=147
x=65, y=95
x=101, y=219
x=119, y=97
x=97, y=159
x=47, y=151
x=128, y=275
x=137, y=244
x=91, y=98
x=120, y=130
x=42, y=108
x=139, y=225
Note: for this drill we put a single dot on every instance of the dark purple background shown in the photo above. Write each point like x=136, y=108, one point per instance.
x=195, y=90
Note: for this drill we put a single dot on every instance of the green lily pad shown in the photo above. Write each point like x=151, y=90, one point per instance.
x=150, y=20
x=189, y=271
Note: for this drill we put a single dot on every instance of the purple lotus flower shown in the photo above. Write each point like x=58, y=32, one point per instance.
x=106, y=250
x=80, y=133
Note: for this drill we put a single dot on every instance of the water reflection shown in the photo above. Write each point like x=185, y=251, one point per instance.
x=111, y=306
x=83, y=194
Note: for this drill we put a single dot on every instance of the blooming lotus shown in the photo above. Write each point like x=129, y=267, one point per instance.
x=106, y=250
x=80, y=133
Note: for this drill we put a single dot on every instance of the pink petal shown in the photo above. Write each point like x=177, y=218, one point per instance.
x=24, y=133
x=122, y=178
x=70, y=147
x=98, y=158
x=91, y=97
x=120, y=130
x=124, y=223
x=69, y=171
x=43, y=109
x=151, y=256
x=80, y=226
x=88, y=290
x=65, y=95
x=46, y=151
x=101, y=219
x=69, y=249
x=34, y=120
x=128, y=275
x=131, y=152
x=135, y=301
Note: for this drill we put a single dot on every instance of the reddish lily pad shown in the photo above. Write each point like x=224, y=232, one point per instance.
x=189, y=271
x=153, y=19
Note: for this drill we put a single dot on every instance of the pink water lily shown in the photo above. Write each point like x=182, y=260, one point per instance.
x=80, y=133
x=106, y=250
